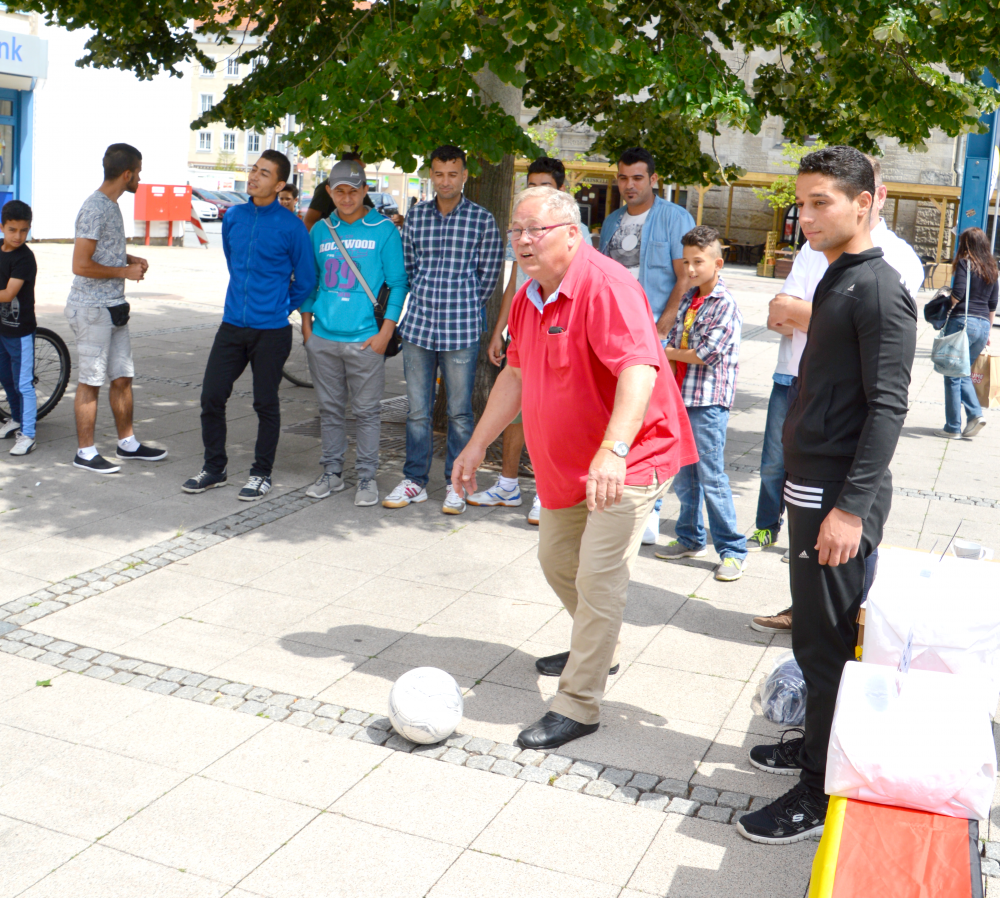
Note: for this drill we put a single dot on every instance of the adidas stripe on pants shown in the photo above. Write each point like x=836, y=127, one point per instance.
x=825, y=603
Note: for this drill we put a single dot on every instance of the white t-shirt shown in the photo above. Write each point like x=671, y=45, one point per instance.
x=626, y=242
x=808, y=269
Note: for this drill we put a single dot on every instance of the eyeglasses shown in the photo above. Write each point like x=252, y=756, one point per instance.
x=534, y=233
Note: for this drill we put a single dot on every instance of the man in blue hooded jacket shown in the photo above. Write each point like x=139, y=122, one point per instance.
x=271, y=273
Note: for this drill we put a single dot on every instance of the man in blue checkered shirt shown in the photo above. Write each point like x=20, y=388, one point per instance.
x=704, y=349
x=453, y=255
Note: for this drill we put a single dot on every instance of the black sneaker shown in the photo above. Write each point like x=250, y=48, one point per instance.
x=143, y=453
x=257, y=488
x=798, y=815
x=782, y=758
x=98, y=464
x=203, y=481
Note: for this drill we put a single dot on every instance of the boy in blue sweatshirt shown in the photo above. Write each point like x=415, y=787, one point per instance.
x=270, y=273
x=345, y=344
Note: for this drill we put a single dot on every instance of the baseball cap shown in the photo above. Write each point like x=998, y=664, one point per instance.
x=347, y=172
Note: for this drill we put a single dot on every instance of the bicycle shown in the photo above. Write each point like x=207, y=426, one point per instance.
x=296, y=367
x=52, y=369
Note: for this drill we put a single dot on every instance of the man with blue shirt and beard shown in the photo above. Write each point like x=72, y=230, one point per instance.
x=271, y=272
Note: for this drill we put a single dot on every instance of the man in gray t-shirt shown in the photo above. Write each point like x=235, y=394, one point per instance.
x=98, y=314
x=100, y=220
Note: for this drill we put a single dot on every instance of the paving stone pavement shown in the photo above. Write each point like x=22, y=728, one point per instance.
x=151, y=613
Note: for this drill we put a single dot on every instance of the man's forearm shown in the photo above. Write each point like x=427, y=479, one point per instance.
x=688, y=356
x=96, y=271
x=669, y=315
x=635, y=387
x=501, y=408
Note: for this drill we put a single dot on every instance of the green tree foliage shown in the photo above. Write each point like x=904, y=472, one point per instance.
x=781, y=194
x=396, y=78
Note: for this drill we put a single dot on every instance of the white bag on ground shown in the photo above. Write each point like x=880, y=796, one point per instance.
x=928, y=746
x=951, y=605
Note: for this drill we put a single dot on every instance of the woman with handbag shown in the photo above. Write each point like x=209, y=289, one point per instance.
x=973, y=306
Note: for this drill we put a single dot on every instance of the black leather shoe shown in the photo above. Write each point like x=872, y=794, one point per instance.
x=554, y=730
x=552, y=665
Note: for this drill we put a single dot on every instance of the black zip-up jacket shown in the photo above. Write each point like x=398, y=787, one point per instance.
x=854, y=379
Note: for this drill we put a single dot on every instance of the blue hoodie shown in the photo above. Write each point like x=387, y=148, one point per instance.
x=271, y=270
x=342, y=311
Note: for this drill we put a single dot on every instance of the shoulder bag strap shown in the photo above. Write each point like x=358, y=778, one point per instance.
x=350, y=261
x=968, y=282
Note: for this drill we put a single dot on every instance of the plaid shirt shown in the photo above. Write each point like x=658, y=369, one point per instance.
x=452, y=262
x=715, y=337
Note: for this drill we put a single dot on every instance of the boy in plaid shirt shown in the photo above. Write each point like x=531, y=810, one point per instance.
x=704, y=348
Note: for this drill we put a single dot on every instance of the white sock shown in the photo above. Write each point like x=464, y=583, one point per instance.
x=88, y=453
x=509, y=484
x=129, y=444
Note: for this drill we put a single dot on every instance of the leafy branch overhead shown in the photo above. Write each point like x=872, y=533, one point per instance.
x=397, y=78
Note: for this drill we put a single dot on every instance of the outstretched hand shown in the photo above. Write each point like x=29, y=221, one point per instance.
x=463, y=471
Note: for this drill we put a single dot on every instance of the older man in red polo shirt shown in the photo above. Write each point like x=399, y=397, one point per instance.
x=607, y=430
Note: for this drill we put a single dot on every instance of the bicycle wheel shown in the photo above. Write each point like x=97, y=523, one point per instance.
x=297, y=365
x=52, y=367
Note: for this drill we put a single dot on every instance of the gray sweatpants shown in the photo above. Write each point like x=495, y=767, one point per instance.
x=339, y=370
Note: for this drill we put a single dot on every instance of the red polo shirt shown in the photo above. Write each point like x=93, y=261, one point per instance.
x=569, y=379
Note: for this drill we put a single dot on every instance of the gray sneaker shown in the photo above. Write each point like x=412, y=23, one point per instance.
x=326, y=483
x=367, y=493
x=675, y=549
x=730, y=569
x=973, y=427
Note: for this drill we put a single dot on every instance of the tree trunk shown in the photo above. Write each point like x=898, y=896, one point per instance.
x=493, y=190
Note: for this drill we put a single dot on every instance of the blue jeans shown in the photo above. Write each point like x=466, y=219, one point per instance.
x=706, y=481
x=458, y=371
x=770, y=500
x=959, y=391
x=17, y=377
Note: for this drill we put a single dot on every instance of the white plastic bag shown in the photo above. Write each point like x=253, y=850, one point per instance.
x=951, y=605
x=781, y=695
x=927, y=745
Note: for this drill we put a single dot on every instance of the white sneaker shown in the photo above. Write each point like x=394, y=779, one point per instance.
x=652, y=528
x=453, y=502
x=24, y=444
x=496, y=495
x=536, y=511
x=9, y=429
x=405, y=492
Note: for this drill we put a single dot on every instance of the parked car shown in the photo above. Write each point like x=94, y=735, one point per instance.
x=214, y=197
x=204, y=210
x=234, y=196
x=384, y=203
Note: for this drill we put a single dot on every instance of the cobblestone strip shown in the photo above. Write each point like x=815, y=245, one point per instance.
x=645, y=790
x=957, y=498
x=75, y=589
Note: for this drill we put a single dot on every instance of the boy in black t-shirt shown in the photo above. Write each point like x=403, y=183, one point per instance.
x=17, y=326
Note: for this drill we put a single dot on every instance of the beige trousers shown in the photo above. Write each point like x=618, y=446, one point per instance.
x=587, y=559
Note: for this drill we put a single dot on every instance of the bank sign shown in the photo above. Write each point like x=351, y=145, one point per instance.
x=22, y=54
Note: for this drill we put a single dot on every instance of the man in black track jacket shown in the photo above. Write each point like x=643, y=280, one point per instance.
x=846, y=411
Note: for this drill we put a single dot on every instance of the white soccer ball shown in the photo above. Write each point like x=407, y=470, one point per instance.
x=425, y=705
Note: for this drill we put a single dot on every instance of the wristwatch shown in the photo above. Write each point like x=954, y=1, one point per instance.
x=617, y=446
